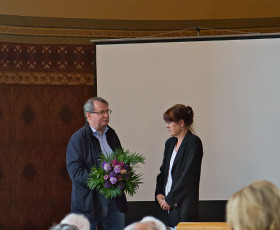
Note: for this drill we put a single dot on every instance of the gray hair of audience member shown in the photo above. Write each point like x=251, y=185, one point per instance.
x=64, y=227
x=141, y=226
x=147, y=223
x=89, y=105
x=78, y=220
x=255, y=207
x=154, y=221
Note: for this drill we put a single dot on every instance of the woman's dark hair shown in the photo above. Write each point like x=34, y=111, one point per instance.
x=179, y=112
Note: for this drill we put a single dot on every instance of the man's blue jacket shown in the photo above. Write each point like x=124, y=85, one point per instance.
x=83, y=152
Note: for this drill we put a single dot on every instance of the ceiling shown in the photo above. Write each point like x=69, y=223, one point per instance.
x=143, y=9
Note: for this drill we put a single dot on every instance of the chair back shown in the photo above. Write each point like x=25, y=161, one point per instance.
x=203, y=226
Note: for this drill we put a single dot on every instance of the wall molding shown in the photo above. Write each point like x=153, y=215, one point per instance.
x=81, y=31
x=40, y=78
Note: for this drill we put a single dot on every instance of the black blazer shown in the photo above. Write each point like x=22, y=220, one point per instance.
x=184, y=194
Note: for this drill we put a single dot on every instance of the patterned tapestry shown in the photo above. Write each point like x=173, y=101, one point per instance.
x=46, y=64
x=42, y=91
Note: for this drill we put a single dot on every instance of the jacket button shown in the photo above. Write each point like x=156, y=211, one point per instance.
x=175, y=205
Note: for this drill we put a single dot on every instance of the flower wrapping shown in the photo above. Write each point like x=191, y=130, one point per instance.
x=116, y=174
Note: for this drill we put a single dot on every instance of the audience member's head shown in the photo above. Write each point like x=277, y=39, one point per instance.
x=255, y=207
x=78, y=220
x=140, y=226
x=64, y=227
x=152, y=220
x=147, y=223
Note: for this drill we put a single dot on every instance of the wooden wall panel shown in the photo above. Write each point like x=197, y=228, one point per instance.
x=37, y=118
x=36, y=123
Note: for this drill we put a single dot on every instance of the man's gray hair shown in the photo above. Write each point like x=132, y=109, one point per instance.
x=147, y=223
x=156, y=222
x=89, y=105
x=78, y=220
x=140, y=226
x=64, y=227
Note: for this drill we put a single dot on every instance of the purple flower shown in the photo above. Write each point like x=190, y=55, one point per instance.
x=121, y=185
x=106, y=166
x=107, y=184
x=113, y=180
x=117, y=169
x=103, y=163
x=112, y=174
x=106, y=177
x=125, y=166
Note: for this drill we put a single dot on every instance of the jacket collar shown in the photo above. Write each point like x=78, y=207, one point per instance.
x=182, y=147
x=185, y=140
x=89, y=130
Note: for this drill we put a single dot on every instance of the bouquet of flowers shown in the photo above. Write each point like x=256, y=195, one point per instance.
x=116, y=174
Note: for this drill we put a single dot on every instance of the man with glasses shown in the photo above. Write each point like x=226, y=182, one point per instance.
x=83, y=152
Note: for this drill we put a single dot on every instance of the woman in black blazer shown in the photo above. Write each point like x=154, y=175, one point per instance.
x=177, y=188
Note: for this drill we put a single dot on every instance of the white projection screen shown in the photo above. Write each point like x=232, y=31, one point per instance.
x=232, y=84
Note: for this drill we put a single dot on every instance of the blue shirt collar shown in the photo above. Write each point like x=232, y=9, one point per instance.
x=96, y=132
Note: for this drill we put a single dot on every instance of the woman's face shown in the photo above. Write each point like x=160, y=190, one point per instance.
x=174, y=128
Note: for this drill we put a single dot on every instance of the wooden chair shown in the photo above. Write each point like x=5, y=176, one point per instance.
x=203, y=226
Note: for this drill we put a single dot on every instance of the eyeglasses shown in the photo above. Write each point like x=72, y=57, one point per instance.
x=102, y=112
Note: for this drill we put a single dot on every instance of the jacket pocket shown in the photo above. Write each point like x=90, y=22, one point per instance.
x=83, y=199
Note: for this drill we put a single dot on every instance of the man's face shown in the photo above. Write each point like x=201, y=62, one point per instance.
x=99, y=121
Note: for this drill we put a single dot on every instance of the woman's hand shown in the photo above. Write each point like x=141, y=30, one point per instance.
x=160, y=199
x=165, y=206
x=162, y=202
